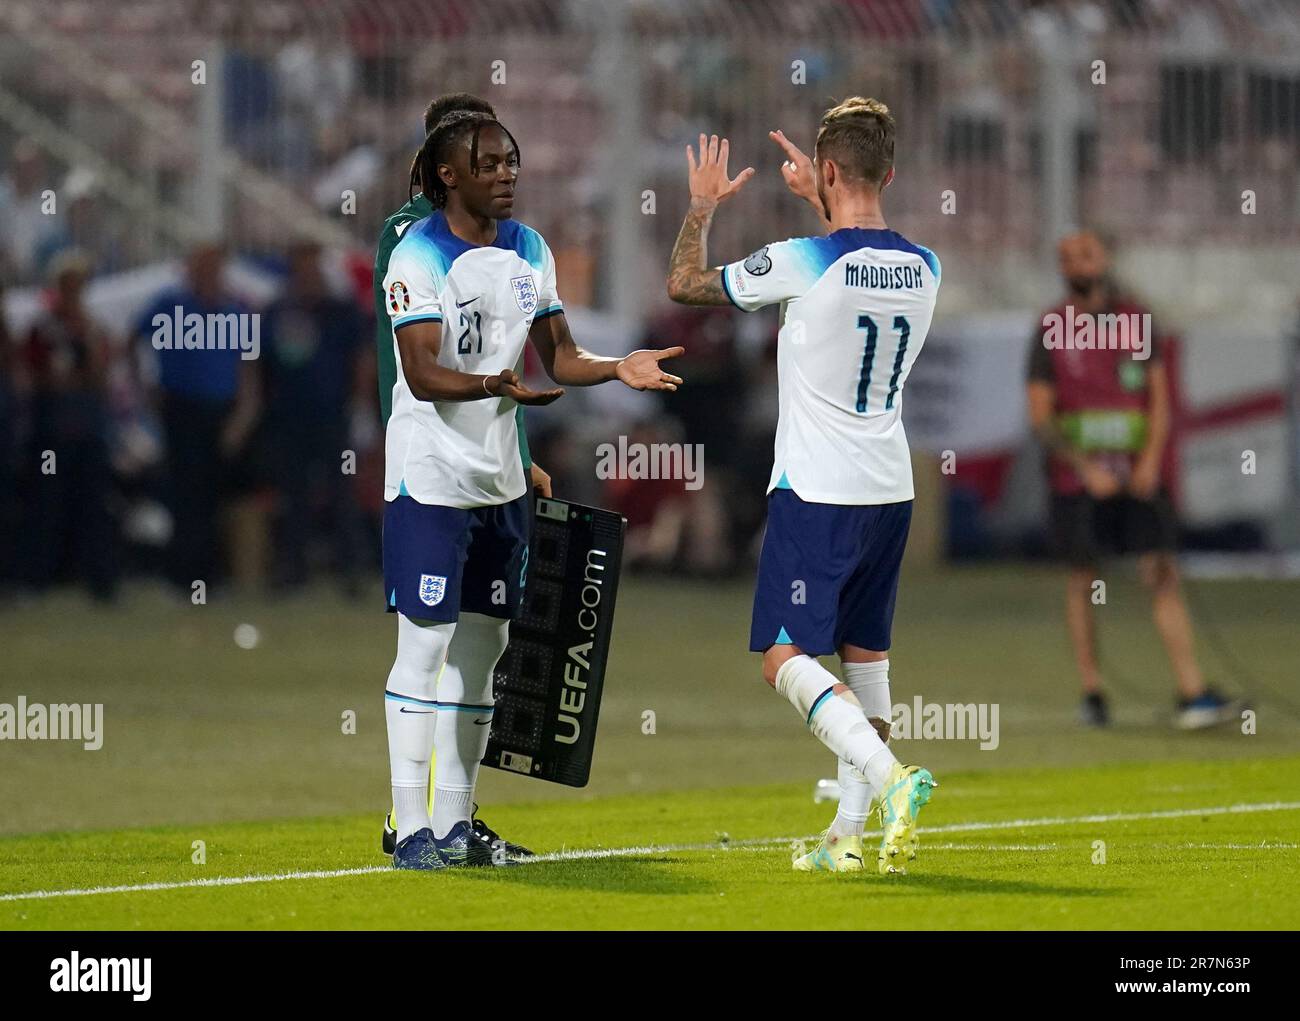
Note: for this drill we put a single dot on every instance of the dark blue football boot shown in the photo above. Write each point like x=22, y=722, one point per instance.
x=418, y=851
x=464, y=848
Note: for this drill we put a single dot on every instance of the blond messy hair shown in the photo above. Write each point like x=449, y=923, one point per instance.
x=858, y=134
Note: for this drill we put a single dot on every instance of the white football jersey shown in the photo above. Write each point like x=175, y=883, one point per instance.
x=463, y=453
x=856, y=307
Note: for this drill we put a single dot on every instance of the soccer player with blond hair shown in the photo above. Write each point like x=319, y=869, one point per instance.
x=856, y=305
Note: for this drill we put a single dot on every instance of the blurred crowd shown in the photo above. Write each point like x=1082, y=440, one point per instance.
x=121, y=459
x=266, y=471
x=326, y=96
x=194, y=465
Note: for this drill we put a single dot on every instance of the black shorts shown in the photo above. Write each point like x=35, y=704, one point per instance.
x=1086, y=530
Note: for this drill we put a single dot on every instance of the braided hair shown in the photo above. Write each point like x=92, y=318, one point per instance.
x=439, y=145
x=445, y=104
x=449, y=101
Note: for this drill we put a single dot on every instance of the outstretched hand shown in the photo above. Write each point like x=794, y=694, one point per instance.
x=640, y=370
x=507, y=384
x=708, y=178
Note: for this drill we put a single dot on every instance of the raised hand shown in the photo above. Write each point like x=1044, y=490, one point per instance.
x=640, y=370
x=797, y=169
x=708, y=178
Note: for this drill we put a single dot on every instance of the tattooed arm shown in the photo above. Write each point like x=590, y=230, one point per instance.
x=691, y=281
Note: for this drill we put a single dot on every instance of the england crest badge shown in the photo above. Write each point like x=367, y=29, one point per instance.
x=525, y=293
x=432, y=588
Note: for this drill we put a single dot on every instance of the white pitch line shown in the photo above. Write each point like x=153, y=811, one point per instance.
x=1173, y=813
x=763, y=844
x=222, y=881
x=655, y=849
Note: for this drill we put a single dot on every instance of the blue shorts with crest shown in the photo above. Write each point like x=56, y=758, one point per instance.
x=828, y=574
x=439, y=561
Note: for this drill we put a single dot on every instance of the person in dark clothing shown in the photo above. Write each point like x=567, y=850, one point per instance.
x=313, y=341
x=208, y=404
x=70, y=527
x=11, y=447
x=1101, y=408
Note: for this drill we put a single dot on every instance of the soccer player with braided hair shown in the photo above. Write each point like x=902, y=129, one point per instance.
x=466, y=287
x=856, y=305
x=418, y=207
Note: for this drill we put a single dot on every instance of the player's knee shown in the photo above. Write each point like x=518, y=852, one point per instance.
x=774, y=658
x=489, y=634
x=480, y=641
x=857, y=654
x=1080, y=579
x=421, y=651
x=472, y=658
x=1158, y=573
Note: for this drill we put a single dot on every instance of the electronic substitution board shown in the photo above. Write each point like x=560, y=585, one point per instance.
x=548, y=682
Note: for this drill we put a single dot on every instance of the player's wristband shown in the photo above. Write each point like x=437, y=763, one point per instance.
x=485, y=387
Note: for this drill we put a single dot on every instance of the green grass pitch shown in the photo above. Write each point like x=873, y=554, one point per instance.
x=703, y=777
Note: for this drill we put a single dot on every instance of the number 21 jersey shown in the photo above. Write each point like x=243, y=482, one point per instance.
x=463, y=453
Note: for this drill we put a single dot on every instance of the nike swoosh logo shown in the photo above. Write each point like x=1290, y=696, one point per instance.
x=462, y=304
x=419, y=712
x=481, y=723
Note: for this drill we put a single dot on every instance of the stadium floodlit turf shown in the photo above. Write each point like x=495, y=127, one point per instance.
x=251, y=752
x=1170, y=845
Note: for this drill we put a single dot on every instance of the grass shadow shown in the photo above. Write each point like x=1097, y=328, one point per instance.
x=650, y=874
x=950, y=884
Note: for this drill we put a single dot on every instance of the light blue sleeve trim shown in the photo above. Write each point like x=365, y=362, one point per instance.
x=419, y=317
x=932, y=261
x=531, y=246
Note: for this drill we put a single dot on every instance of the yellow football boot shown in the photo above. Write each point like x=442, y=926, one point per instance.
x=832, y=854
x=906, y=793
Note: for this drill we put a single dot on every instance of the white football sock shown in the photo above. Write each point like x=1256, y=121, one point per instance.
x=411, y=713
x=869, y=683
x=855, y=798
x=410, y=805
x=836, y=721
x=464, y=716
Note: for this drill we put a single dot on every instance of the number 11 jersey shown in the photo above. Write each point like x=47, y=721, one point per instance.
x=856, y=307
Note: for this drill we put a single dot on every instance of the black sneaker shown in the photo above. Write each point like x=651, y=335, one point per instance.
x=463, y=848
x=1208, y=709
x=390, y=834
x=494, y=839
x=1093, y=711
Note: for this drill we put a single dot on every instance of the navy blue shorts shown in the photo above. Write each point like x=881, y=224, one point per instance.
x=828, y=574
x=439, y=561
